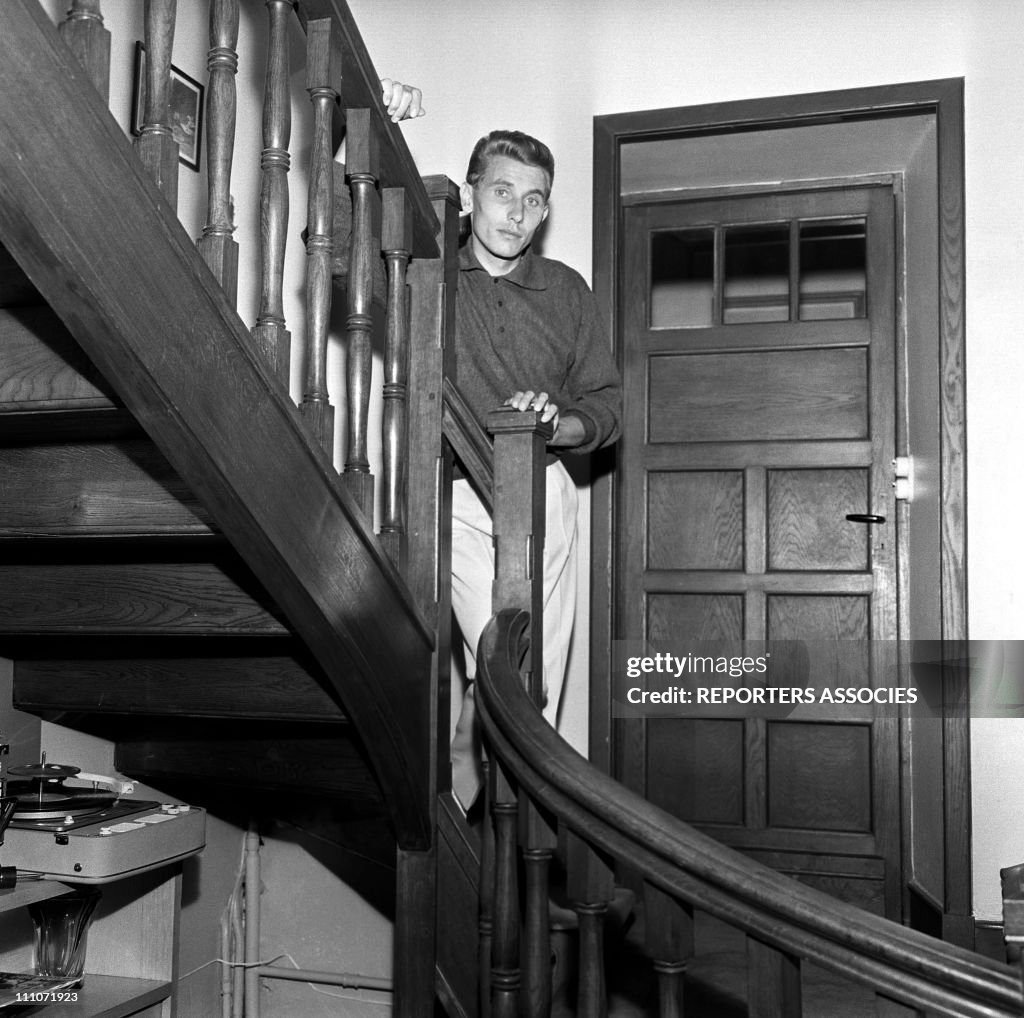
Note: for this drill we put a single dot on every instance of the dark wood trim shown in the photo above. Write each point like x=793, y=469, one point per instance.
x=743, y=190
x=958, y=922
x=871, y=102
x=944, y=98
x=239, y=687
x=603, y=489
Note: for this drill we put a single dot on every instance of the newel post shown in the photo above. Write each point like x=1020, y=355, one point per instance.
x=520, y=442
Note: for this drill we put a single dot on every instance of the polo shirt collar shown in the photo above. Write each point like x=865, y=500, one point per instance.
x=529, y=274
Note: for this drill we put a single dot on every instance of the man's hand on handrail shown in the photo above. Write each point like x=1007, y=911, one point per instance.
x=403, y=102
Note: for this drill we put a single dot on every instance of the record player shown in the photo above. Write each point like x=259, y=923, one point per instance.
x=91, y=833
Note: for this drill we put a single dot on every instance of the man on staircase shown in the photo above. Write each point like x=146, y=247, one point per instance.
x=527, y=335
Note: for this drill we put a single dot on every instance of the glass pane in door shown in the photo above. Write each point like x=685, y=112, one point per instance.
x=682, y=279
x=756, y=287
x=833, y=269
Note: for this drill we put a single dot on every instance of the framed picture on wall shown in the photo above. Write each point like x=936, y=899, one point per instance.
x=184, y=111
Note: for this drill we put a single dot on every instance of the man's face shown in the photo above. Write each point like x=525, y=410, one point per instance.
x=508, y=204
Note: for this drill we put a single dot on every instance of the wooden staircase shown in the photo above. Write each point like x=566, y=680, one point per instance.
x=125, y=609
x=181, y=405
x=184, y=571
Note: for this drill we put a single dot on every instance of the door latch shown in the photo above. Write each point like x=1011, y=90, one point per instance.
x=903, y=472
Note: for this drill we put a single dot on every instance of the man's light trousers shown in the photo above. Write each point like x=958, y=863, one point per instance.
x=472, y=578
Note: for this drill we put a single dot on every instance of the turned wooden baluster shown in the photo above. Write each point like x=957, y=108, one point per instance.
x=668, y=933
x=86, y=37
x=362, y=156
x=216, y=245
x=773, y=981
x=539, y=843
x=485, y=924
x=323, y=82
x=590, y=890
x=505, y=973
x=156, y=146
x=269, y=332
x=396, y=241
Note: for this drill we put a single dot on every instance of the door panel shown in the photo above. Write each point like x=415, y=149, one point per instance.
x=759, y=395
x=759, y=353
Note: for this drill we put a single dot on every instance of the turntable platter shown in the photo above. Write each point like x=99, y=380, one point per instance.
x=42, y=794
x=42, y=804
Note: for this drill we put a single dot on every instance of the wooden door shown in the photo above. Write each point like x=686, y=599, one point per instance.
x=760, y=370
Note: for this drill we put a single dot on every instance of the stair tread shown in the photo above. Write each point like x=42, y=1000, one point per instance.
x=242, y=686
x=110, y=487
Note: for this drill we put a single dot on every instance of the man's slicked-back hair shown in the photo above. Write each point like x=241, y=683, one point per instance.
x=514, y=145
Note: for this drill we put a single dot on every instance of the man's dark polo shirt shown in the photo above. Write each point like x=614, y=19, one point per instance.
x=535, y=328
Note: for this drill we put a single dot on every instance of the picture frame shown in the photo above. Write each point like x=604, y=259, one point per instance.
x=185, y=108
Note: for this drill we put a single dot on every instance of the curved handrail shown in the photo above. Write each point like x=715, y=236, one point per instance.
x=900, y=963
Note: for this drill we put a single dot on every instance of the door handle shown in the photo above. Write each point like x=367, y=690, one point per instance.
x=865, y=518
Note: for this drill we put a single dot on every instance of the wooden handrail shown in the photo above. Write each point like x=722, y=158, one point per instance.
x=921, y=973
x=470, y=442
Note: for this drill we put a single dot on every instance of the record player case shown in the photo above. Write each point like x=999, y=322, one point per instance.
x=131, y=960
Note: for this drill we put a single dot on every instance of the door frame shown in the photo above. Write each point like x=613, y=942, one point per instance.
x=944, y=99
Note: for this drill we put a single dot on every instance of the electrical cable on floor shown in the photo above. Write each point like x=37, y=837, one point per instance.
x=328, y=993
x=277, y=957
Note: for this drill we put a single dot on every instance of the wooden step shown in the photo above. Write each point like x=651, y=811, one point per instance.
x=124, y=598
x=275, y=756
x=245, y=687
x=104, y=488
x=48, y=387
x=43, y=368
